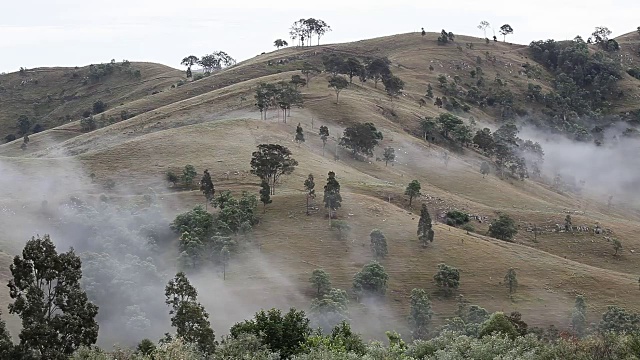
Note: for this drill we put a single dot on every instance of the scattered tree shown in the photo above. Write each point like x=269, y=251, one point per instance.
x=280, y=43
x=320, y=281
x=511, y=281
x=283, y=334
x=189, y=317
x=307, y=70
x=429, y=91
x=378, y=69
x=172, y=178
x=189, y=61
x=371, y=280
x=420, y=315
x=342, y=227
x=270, y=162
x=334, y=64
x=503, y=228
x=299, y=134
x=483, y=26
x=207, y=188
x=617, y=246
x=309, y=187
x=412, y=190
x=485, y=169
x=332, y=198
x=447, y=279
x=188, y=175
x=330, y=310
x=378, y=244
x=579, y=316
x=505, y=30
x=468, y=228
x=265, y=98
x=601, y=34
x=297, y=80
x=215, y=61
x=484, y=140
x=225, y=255
x=99, y=107
x=23, y=124
x=393, y=85
x=353, y=67
x=265, y=194
x=388, y=155
x=425, y=227
x=338, y=83
x=56, y=315
x=567, y=223
x=324, y=135
x=361, y=138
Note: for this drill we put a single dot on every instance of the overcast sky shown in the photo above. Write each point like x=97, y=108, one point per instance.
x=36, y=33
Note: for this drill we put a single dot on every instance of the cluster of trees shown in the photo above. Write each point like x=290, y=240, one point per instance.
x=445, y=37
x=187, y=177
x=209, y=62
x=98, y=72
x=59, y=320
x=585, y=81
x=510, y=152
x=376, y=69
x=505, y=30
x=304, y=29
x=24, y=126
x=282, y=95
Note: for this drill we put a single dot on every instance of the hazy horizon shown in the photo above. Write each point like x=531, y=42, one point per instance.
x=75, y=33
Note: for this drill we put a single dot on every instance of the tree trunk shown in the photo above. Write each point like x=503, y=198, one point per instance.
x=337, y=94
x=307, y=204
x=224, y=271
x=323, y=145
x=386, y=162
x=410, y=199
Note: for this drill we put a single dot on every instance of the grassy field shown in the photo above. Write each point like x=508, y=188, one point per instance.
x=212, y=123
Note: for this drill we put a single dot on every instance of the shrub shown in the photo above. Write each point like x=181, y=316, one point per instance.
x=9, y=138
x=38, y=128
x=455, y=218
x=635, y=72
x=110, y=184
x=503, y=228
x=99, y=107
x=468, y=228
x=88, y=123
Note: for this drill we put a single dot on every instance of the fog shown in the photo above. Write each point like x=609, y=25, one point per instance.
x=611, y=169
x=129, y=253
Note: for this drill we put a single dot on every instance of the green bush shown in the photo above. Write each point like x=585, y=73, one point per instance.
x=455, y=218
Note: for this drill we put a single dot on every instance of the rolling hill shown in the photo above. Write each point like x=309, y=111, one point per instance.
x=212, y=123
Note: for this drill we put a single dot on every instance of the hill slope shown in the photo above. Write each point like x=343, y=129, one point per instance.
x=212, y=124
x=53, y=96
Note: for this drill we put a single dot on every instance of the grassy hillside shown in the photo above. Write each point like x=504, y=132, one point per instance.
x=213, y=124
x=55, y=96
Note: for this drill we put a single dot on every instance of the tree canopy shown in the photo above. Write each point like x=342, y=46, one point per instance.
x=371, y=280
x=270, y=162
x=361, y=138
x=56, y=315
x=503, y=228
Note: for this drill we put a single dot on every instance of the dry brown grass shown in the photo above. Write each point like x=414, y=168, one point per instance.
x=205, y=124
